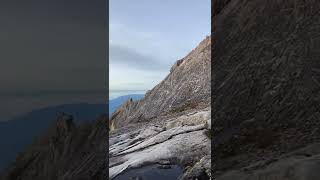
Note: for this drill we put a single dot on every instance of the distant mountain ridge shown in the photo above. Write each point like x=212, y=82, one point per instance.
x=118, y=101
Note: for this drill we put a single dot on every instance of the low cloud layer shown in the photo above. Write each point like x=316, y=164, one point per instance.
x=129, y=57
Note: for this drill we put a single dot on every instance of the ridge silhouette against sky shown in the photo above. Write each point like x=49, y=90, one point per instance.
x=147, y=37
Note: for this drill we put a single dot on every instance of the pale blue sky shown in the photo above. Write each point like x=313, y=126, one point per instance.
x=147, y=36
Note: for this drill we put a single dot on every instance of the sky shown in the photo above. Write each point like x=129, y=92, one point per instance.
x=146, y=37
x=52, y=52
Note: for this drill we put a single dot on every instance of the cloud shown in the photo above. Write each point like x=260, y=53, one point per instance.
x=128, y=78
x=145, y=41
x=129, y=57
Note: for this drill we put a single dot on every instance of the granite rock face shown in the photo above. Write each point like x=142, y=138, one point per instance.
x=170, y=124
x=153, y=143
x=266, y=78
x=64, y=152
x=187, y=86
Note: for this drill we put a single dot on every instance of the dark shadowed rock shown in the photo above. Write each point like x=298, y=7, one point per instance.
x=266, y=80
x=65, y=152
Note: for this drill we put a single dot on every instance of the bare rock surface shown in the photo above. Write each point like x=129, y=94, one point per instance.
x=153, y=144
x=265, y=87
x=170, y=124
x=187, y=86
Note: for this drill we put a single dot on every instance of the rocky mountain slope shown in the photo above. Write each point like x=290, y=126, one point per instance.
x=65, y=152
x=169, y=126
x=266, y=91
x=188, y=84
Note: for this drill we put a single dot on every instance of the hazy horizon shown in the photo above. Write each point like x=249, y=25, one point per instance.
x=117, y=93
x=53, y=52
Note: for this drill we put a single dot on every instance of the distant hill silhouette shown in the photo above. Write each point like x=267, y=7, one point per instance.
x=117, y=102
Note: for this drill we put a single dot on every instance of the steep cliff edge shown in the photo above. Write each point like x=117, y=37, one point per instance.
x=188, y=84
x=266, y=78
